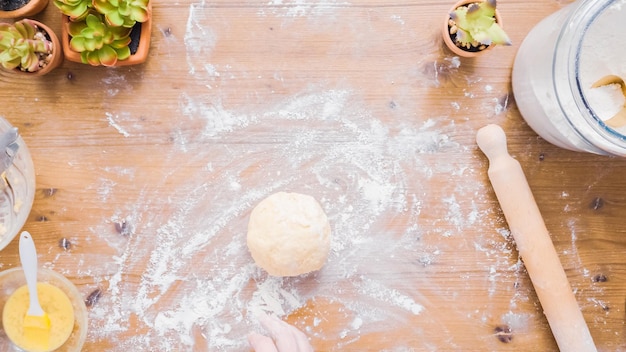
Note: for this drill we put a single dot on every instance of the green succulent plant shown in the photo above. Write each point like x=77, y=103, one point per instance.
x=475, y=24
x=23, y=46
x=123, y=13
x=75, y=9
x=99, y=43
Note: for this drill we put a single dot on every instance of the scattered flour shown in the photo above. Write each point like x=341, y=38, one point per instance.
x=113, y=123
x=200, y=288
x=322, y=142
x=302, y=8
x=199, y=38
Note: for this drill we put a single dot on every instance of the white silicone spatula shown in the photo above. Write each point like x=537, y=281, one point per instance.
x=36, y=322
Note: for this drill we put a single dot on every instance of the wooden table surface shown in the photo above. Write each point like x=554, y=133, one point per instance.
x=150, y=172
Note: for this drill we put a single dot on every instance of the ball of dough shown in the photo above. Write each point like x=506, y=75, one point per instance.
x=289, y=234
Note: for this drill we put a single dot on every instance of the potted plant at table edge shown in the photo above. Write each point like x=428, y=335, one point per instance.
x=472, y=27
x=29, y=47
x=30, y=8
x=106, y=32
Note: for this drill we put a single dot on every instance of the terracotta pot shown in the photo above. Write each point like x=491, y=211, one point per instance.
x=138, y=57
x=57, y=53
x=32, y=8
x=446, y=32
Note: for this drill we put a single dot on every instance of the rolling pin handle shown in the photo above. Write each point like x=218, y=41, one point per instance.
x=492, y=141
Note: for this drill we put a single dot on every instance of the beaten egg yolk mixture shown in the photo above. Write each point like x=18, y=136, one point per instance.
x=53, y=301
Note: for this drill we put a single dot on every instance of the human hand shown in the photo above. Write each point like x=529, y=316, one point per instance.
x=283, y=337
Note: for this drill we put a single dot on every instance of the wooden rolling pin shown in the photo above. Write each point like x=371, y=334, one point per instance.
x=534, y=244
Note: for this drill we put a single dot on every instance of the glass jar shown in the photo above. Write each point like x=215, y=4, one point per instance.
x=16, y=201
x=556, y=67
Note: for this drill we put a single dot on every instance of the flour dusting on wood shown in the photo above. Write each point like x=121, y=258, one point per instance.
x=372, y=174
x=302, y=8
x=322, y=143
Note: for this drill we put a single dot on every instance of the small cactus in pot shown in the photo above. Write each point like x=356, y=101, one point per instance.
x=474, y=26
x=110, y=33
x=29, y=46
x=99, y=43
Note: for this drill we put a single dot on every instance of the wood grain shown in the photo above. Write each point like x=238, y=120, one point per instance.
x=111, y=145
